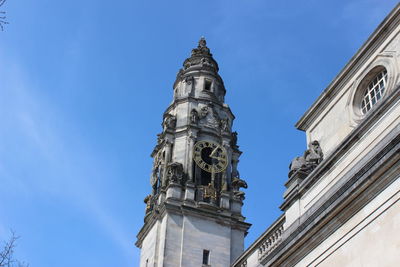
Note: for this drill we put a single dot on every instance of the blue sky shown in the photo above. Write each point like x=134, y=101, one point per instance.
x=83, y=85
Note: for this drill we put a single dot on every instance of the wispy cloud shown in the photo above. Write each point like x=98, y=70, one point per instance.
x=38, y=156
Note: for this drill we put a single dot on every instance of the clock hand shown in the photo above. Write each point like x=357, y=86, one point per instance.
x=214, y=154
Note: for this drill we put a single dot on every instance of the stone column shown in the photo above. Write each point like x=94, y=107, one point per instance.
x=189, y=155
x=235, y=161
x=225, y=195
x=190, y=184
x=167, y=160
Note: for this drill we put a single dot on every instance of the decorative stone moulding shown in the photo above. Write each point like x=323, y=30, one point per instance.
x=384, y=61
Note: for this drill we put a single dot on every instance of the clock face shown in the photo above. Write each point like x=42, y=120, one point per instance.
x=210, y=156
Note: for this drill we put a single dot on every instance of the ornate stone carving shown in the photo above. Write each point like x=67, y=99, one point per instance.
x=189, y=80
x=154, y=179
x=202, y=48
x=309, y=161
x=203, y=112
x=209, y=192
x=313, y=155
x=201, y=57
x=175, y=172
x=225, y=125
x=169, y=121
x=194, y=116
x=160, y=138
x=238, y=183
x=234, y=140
x=209, y=117
x=148, y=201
x=206, y=62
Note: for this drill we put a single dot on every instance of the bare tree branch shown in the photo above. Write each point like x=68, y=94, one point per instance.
x=3, y=20
x=7, y=253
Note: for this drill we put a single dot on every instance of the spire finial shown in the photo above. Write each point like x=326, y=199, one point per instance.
x=202, y=42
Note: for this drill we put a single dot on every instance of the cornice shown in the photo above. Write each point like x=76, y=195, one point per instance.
x=201, y=100
x=178, y=207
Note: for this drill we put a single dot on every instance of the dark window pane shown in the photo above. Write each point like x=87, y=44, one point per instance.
x=206, y=256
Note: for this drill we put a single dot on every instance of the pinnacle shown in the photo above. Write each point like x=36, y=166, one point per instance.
x=202, y=42
x=202, y=49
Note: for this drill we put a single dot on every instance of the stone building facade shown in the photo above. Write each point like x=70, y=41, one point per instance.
x=342, y=201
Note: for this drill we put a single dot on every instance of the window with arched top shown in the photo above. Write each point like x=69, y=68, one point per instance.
x=374, y=92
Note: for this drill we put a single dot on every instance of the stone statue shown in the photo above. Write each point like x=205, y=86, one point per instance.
x=234, y=140
x=170, y=121
x=224, y=125
x=313, y=155
x=160, y=138
x=209, y=193
x=204, y=112
x=297, y=164
x=147, y=201
x=154, y=180
x=202, y=48
x=175, y=172
x=194, y=116
x=202, y=42
x=309, y=161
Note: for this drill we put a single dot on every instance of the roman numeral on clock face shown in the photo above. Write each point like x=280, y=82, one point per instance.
x=210, y=156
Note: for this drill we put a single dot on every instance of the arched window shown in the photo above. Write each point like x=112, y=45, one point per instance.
x=374, y=91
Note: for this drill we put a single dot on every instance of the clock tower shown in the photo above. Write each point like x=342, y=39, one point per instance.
x=193, y=214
